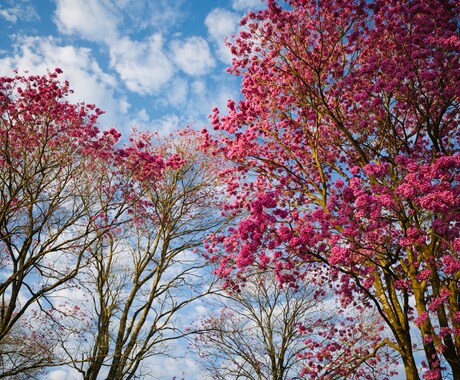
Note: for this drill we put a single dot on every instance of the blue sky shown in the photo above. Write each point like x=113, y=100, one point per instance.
x=153, y=65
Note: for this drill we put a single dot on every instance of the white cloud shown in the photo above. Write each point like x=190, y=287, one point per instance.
x=151, y=66
x=60, y=374
x=124, y=105
x=177, y=93
x=192, y=55
x=167, y=124
x=90, y=19
x=225, y=92
x=138, y=120
x=143, y=66
x=221, y=24
x=143, y=116
x=205, y=95
x=158, y=14
x=12, y=11
x=181, y=367
x=199, y=88
x=244, y=5
x=89, y=82
x=9, y=15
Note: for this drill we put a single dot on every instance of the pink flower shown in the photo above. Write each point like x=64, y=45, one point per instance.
x=423, y=317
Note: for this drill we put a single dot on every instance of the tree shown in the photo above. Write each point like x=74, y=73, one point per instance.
x=144, y=272
x=266, y=331
x=346, y=152
x=26, y=350
x=50, y=150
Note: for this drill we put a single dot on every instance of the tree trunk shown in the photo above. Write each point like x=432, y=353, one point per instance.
x=410, y=368
x=455, y=366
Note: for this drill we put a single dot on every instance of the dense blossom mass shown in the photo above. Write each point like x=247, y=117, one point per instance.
x=346, y=153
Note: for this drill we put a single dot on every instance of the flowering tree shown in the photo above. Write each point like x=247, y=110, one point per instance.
x=145, y=272
x=346, y=152
x=266, y=331
x=26, y=350
x=49, y=215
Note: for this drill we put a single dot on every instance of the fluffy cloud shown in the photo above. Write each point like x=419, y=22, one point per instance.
x=167, y=124
x=204, y=95
x=151, y=66
x=192, y=55
x=160, y=15
x=60, y=374
x=177, y=92
x=221, y=24
x=89, y=19
x=12, y=11
x=146, y=66
x=90, y=83
x=142, y=65
x=244, y=5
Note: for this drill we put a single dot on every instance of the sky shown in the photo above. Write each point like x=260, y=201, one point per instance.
x=150, y=65
x=156, y=65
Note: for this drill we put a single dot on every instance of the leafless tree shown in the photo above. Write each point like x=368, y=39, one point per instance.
x=257, y=334
x=144, y=273
x=52, y=157
x=264, y=331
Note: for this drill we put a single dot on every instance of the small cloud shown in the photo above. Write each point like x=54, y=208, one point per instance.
x=12, y=11
x=199, y=88
x=89, y=19
x=167, y=124
x=160, y=15
x=221, y=24
x=177, y=93
x=192, y=55
x=60, y=374
x=143, y=115
x=244, y=5
x=9, y=15
x=205, y=95
x=138, y=120
x=90, y=83
x=179, y=367
x=143, y=66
